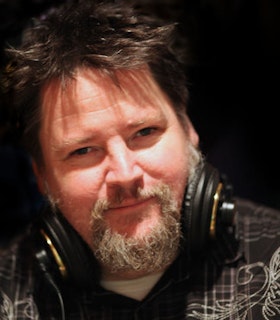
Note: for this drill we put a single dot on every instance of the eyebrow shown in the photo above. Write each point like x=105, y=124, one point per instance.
x=59, y=147
x=82, y=140
x=135, y=124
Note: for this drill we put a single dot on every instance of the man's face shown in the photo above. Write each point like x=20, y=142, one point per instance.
x=103, y=143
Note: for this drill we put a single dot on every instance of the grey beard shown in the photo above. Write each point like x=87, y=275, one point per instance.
x=149, y=253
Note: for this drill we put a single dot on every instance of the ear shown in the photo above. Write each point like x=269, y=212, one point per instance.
x=39, y=176
x=193, y=135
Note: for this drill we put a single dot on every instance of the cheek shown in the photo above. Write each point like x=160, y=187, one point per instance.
x=82, y=189
x=76, y=193
x=175, y=174
x=169, y=165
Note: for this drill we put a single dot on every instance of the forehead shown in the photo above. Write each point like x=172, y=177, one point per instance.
x=134, y=86
x=93, y=99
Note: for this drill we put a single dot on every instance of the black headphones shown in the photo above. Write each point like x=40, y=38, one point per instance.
x=208, y=209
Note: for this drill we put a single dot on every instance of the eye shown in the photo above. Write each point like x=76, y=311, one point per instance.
x=81, y=151
x=145, y=132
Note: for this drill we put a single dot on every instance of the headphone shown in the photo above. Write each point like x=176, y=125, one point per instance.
x=208, y=209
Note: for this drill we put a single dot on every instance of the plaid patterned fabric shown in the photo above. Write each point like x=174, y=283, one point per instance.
x=219, y=285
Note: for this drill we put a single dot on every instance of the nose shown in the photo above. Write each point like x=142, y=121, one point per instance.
x=123, y=168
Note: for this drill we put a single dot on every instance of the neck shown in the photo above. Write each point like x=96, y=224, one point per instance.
x=108, y=275
x=136, y=288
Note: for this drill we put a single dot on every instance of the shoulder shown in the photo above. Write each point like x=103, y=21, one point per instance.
x=16, y=259
x=254, y=218
x=258, y=228
x=252, y=210
x=13, y=256
x=247, y=286
x=17, y=279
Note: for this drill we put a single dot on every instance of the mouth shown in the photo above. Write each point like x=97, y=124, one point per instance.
x=132, y=218
x=132, y=205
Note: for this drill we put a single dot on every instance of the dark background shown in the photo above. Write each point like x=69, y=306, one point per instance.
x=233, y=51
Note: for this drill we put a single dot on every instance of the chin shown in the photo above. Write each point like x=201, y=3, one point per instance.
x=141, y=228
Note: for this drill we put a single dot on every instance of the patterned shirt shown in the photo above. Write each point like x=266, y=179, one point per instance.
x=229, y=281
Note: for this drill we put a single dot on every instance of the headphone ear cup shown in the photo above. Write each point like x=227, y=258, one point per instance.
x=62, y=252
x=203, y=207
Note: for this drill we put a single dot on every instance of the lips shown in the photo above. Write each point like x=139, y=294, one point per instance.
x=131, y=205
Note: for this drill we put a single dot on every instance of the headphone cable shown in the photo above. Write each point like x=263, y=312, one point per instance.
x=49, y=278
x=56, y=289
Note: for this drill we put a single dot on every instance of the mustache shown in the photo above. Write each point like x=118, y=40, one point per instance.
x=161, y=192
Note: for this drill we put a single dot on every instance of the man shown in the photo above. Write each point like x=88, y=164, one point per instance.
x=100, y=98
